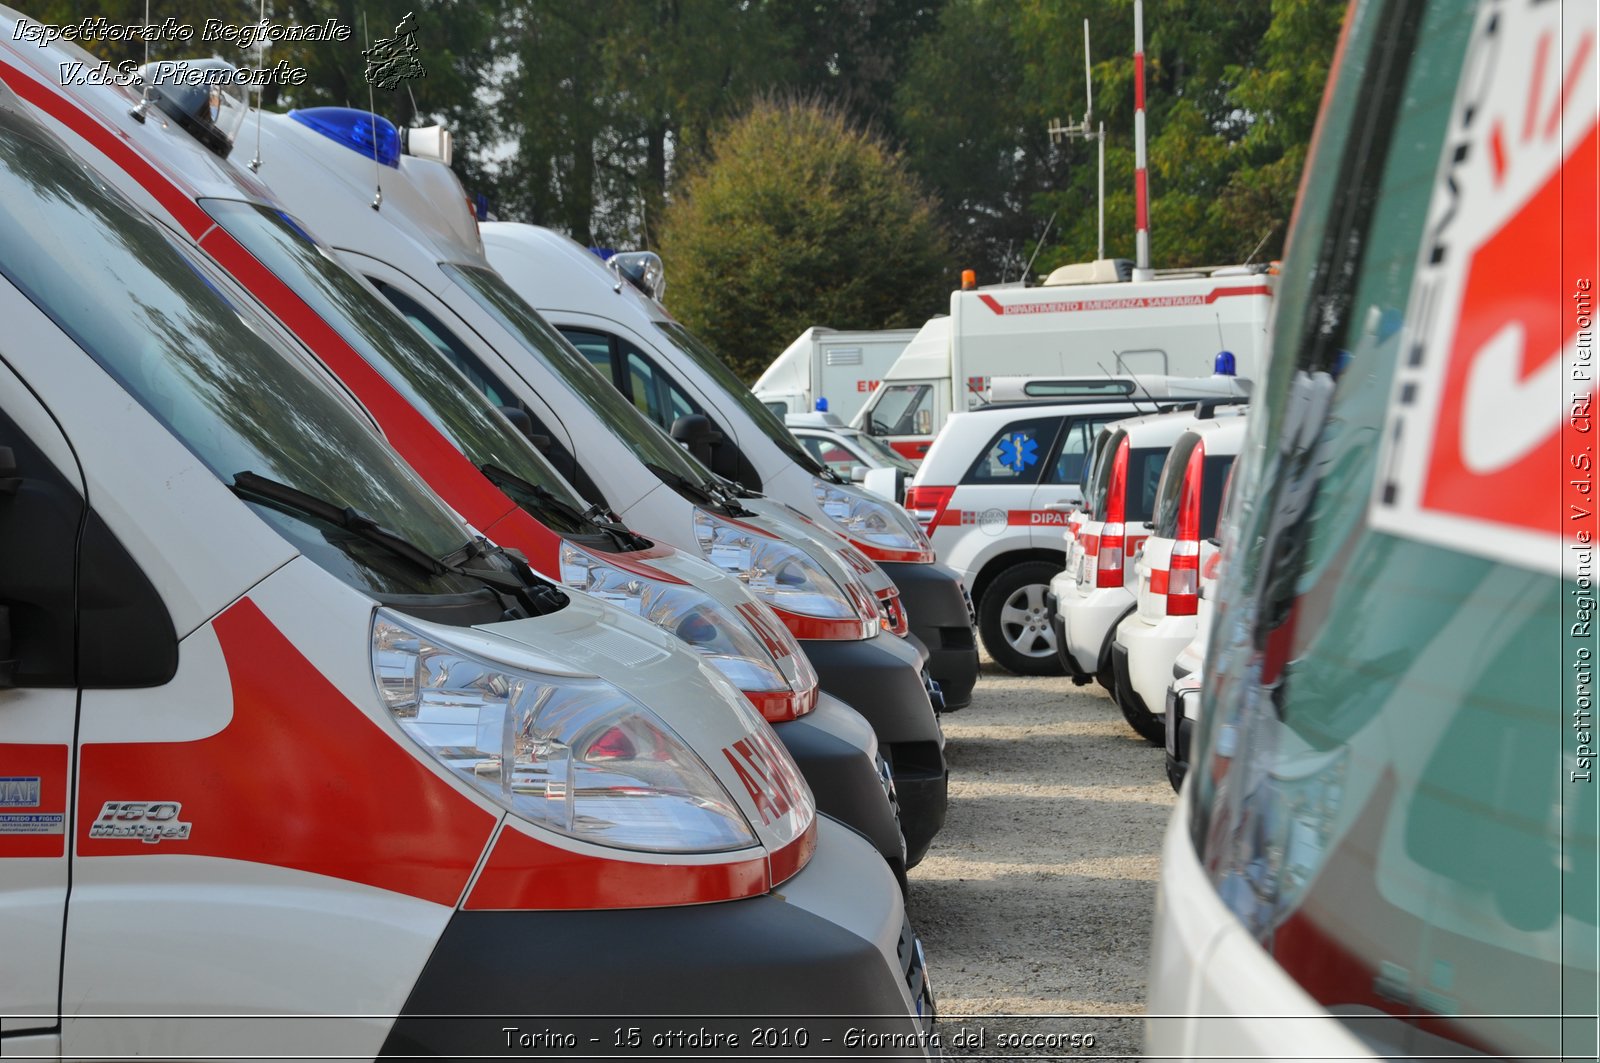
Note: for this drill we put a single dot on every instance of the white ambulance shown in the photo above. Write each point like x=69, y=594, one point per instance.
x=829, y=370
x=1174, y=325
x=294, y=764
x=474, y=459
x=1388, y=843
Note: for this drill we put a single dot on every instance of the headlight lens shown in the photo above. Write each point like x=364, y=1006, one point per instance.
x=872, y=524
x=574, y=755
x=714, y=632
x=810, y=601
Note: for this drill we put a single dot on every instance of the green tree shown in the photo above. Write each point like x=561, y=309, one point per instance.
x=799, y=218
x=608, y=98
x=1231, y=95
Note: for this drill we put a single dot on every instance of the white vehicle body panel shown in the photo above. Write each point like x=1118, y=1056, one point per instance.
x=840, y=366
x=1169, y=326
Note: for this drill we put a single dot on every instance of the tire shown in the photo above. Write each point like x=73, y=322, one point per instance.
x=1013, y=623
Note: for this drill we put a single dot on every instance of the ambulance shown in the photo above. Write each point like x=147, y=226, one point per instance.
x=1387, y=845
x=829, y=370
x=419, y=251
x=686, y=388
x=295, y=765
x=1081, y=323
x=473, y=457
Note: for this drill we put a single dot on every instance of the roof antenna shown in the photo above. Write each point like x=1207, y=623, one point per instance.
x=1259, y=244
x=261, y=90
x=1138, y=386
x=1039, y=246
x=372, y=109
x=140, y=111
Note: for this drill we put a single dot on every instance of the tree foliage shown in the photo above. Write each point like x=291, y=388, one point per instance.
x=798, y=217
x=587, y=116
x=1231, y=96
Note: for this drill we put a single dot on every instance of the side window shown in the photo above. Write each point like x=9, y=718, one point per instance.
x=447, y=344
x=481, y=377
x=652, y=390
x=75, y=608
x=595, y=346
x=1074, y=447
x=829, y=453
x=1016, y=454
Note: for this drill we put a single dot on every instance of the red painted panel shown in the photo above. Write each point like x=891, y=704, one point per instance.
x=299, y=778
x=525, y=873
x=33, y=790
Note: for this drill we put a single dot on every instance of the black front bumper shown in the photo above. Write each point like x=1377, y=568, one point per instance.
x=847, y=781
x=660, y=983
x=940, y=614
x=879, y=678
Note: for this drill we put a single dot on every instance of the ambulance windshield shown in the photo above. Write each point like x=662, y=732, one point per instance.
x=205, y=367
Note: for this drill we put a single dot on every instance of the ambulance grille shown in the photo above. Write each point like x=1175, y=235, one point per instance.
x=623, y=648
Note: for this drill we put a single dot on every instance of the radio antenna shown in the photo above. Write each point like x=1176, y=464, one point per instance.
x=139, y=112
x=1039, y=246
x=372, y=109
x=1138, y=386
x=1259, y=244
x=261, y=88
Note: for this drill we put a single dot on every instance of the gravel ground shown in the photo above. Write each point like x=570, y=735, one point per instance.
x=1037, y=897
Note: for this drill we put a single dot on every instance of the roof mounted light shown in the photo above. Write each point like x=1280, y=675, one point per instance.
x=204, y=96
x=642, y=269
x=361, y=131
x=1225, y=364
x=427, y=142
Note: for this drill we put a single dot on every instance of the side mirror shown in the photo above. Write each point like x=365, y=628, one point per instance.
x=518, y=417
x=858, y=474
x=694, y=429
x=695, y=432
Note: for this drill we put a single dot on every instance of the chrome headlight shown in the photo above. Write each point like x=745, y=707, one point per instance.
x=571, y=754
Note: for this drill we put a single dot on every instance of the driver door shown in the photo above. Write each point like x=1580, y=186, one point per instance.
x=41, y=511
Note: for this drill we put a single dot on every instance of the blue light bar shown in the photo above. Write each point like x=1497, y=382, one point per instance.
x=355, y=129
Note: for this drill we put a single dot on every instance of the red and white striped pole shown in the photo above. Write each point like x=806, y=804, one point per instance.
x=1141, y=182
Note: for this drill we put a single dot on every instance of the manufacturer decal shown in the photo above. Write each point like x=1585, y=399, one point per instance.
x=19, y=791
x=145, y=821
x=23, y=791
x=1488, y=447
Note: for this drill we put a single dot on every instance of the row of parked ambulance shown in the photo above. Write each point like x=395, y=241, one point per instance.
x=1387, y=840
x=407, y=627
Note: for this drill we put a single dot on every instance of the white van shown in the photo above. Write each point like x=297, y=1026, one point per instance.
x=284, y=746
x=1174, y=325
x=413, y=254
x=685, y=387
x=475, y=459
x=1388, y=843
x=829, y=370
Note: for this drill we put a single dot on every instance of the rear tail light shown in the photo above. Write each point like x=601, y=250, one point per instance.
x=1183, y=575
x=927, y=504
x=1108, y=563
x=1183, y=580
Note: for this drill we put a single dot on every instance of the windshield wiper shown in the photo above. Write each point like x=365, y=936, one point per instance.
x=520, y=583
x=250, y=485
x=594, y=515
